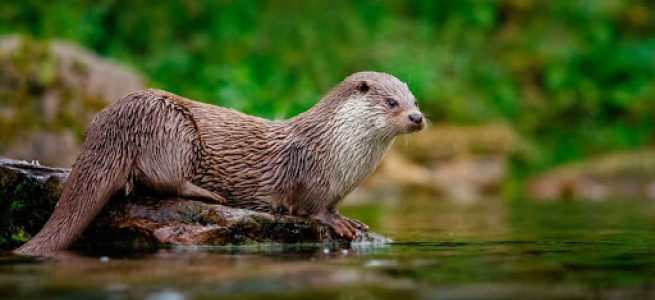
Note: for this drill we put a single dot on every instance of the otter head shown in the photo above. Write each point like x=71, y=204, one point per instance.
x=368, y=111
x=384, y=103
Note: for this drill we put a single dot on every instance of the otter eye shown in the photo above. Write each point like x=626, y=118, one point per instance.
x=392, y=103
x=415, y=103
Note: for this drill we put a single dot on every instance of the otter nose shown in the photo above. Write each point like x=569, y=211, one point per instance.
x=416, y=118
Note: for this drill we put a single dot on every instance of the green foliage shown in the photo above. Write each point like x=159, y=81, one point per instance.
x=16, y=206
x=575, y=77
x=20, y=237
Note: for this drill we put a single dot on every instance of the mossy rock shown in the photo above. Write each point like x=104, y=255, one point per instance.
x=28, y=195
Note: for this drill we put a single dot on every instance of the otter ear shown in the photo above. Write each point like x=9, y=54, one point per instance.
x=363, y=87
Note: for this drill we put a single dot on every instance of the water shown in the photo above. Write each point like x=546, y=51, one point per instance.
x=495, y=249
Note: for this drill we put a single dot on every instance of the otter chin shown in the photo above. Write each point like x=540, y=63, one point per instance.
x=170, y=145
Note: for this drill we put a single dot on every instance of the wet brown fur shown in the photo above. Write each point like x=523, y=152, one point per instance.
x=303, y=166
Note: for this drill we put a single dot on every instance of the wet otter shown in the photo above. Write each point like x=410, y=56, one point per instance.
x=302, y=166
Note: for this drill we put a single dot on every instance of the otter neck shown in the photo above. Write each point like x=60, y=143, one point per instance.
x=350, y=138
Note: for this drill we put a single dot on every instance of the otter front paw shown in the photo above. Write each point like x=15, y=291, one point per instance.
x=342, y=226
x=357, y=224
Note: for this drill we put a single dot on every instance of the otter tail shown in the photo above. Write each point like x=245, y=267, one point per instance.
x=101, y=169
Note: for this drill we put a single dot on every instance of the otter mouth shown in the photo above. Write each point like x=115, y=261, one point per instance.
x=415, y=128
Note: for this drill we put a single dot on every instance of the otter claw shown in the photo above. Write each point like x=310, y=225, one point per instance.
x=357, y=224
x=341, y=226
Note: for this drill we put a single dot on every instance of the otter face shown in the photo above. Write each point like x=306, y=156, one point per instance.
x=396, y=107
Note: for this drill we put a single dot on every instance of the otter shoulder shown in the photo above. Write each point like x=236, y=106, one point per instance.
x=149, y=95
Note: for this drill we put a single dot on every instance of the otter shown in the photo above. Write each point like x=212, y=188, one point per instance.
x=302, y=166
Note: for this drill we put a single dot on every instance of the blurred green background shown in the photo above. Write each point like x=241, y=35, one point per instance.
x=573, y=78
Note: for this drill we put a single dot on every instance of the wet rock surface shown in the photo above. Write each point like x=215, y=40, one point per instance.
x=28, y=195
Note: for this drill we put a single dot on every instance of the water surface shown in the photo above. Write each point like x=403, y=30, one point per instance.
x=492, y=249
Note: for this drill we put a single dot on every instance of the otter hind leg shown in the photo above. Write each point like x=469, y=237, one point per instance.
x=169, y=183
x=190, y=190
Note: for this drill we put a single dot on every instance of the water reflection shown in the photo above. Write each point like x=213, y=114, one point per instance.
x=443, y=250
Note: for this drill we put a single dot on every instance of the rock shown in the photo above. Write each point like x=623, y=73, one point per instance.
x=627, y=174
x=445, y=142
x=460, y=163
x=28, y=194
x=51, y=91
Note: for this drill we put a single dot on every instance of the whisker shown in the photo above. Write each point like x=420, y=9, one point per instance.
x=428, y=125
